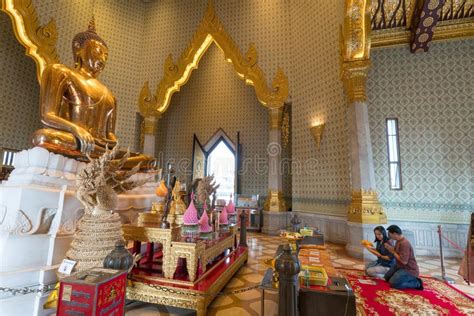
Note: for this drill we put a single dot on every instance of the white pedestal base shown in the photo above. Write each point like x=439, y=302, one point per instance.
x=273, y=222
x=355, y=233
x=39, y=212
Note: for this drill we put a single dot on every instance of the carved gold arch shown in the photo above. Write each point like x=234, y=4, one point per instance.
x=211, y=30
x=39, y=40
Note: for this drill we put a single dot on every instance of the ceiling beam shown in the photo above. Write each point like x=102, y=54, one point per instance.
x=425, y=18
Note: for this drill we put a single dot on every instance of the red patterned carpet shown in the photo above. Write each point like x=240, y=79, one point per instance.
x=378, y=298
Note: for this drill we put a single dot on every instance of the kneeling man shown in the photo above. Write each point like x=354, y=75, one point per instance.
x=404, y=275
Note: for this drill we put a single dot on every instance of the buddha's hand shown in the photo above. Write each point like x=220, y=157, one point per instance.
x=85, y=139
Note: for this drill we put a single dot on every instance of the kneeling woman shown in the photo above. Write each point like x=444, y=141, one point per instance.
x=385, y=259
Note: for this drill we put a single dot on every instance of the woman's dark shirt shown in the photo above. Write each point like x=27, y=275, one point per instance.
x=384, y=252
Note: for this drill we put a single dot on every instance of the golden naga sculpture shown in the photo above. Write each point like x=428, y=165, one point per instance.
x=77, y=110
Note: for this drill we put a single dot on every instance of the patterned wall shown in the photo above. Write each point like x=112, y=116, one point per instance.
x=431, y=94
x=300, y=37
x=214, y=96
x=322, y=183
x=19, y=111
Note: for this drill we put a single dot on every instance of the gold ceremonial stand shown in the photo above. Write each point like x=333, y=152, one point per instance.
x=179, y=271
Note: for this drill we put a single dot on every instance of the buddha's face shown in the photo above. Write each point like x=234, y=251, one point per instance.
x=93, y=55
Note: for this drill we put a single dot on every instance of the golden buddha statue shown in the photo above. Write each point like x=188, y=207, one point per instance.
x=77, y=110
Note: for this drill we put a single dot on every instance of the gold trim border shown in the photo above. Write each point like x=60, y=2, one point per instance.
x=39, y=40
x=211, y=30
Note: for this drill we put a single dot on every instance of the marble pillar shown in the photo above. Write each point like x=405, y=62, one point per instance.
x=365, y=211
x=275, y=201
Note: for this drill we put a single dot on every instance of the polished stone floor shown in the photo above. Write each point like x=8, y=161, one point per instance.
x=261, y=248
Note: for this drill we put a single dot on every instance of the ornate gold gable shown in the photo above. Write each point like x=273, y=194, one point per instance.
x=39, y=40
x=211, y=30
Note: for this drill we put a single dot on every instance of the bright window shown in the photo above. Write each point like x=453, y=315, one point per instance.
x=8, y=157
x=393, y=148
x=221, y=164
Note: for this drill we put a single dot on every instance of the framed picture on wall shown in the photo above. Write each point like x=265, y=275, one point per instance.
x=247, y=200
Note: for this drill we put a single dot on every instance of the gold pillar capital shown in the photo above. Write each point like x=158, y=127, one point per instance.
x=354, y=76
x=149, y=125
x=365, y=208
x=275, y=116
x=275, y=202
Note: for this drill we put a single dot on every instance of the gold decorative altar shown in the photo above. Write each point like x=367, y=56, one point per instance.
x=178, y=271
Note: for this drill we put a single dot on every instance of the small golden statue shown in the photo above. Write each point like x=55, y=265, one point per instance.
x=177, y=206
x=77, y=110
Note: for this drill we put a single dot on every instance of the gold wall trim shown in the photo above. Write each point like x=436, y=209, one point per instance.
x=39, y=40
x=209, y=31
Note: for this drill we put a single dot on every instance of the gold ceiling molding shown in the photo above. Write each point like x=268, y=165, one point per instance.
x=176, y=74
x=39, y=40
x=391, y=21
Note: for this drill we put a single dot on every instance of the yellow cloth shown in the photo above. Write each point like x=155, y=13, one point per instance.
x=52, y=301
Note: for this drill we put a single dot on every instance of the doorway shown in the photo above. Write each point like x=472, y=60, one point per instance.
x=219, y=157
x=221, y=164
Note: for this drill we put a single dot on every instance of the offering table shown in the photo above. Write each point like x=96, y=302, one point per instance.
x=179, y=271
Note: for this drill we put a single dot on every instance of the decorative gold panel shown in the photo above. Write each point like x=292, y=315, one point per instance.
x=275, y=202
x=355, y=32
x=365, y=208
x=354, y=76
x=39, y=40
x=355, y=49
x=211, y=30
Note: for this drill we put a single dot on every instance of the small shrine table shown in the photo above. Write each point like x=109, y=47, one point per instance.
x=318, y=300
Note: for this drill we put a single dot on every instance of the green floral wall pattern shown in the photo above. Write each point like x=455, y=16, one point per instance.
x=431, y=94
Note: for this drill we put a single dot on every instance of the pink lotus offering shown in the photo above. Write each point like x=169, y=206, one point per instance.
x=223, y=217
x=230, y=207
x=204, y=226
x=190, y=221
x=190, y=217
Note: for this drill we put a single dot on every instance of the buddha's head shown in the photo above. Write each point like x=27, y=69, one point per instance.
x=89, y=50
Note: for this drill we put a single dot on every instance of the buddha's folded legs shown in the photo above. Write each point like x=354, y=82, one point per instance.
x=58, y=142
x=66, y=144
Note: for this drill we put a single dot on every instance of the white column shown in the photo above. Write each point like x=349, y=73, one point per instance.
x=274, y=160
x=148, y=135
x=362, y=163
x=275, y=201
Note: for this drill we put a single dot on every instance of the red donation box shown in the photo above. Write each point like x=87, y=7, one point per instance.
x=93, y=292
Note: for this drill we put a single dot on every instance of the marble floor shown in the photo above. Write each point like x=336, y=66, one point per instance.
x=263, y=247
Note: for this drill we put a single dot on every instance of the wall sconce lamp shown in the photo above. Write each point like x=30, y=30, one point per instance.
x=317, y=132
